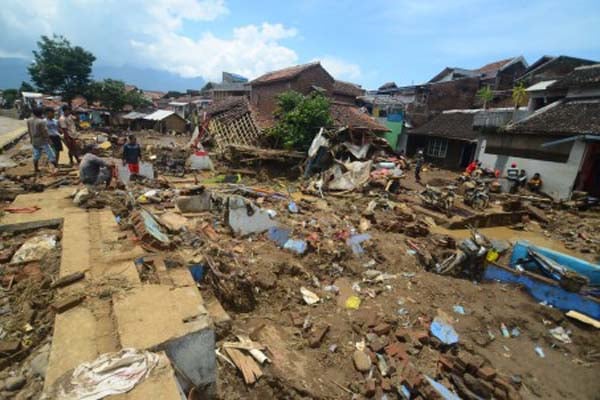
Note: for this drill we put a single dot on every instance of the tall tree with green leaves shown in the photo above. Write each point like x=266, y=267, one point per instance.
x=299, y=119
x=485, y=94
x=60, y=68
x=519, y=96
x=114, y=95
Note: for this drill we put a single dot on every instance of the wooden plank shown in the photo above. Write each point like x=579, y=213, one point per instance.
x=241, y=361
x=584, y=318
x=31, y=226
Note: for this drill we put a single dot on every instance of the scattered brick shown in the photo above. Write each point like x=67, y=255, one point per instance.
x=377, y=345
x=420, y=336
x=402, y=335
x=487, y=373
x=65, y=304
x=500, y=394
x=446, y=363
x=502, y=382
x=478, y=386
x=382, y=329
x=297, y=319
x=397, y=350
x=386, y=385
x=370, y=388
x=319, y=336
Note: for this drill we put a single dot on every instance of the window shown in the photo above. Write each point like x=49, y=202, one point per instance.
x=437, y=148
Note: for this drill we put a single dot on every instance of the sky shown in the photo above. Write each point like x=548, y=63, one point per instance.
x=366, y=42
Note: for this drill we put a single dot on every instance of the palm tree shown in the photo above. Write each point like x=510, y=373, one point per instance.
x=519, y=96
x=486, y=95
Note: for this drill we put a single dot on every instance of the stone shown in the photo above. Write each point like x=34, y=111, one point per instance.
x=9, y=346
x=14, y=383
x=194, y=204
x=39, y=364
x=362, y=362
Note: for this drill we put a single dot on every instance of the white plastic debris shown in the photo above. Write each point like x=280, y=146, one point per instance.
x=34, y=249
x=559, y=333
x=309, y=297
x=109, y=374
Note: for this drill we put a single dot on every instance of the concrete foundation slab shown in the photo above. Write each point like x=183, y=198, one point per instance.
x=158, y=317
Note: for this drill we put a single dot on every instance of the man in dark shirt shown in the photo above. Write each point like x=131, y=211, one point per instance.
x=94, y=170
x=419, y=165
x=132, y=153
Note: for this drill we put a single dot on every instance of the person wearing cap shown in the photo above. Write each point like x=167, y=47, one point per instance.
x=40, y=140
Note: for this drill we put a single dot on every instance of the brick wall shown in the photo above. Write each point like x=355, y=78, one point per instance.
x=264, y=96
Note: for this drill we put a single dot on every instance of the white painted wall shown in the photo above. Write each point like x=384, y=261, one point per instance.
x=558, y=177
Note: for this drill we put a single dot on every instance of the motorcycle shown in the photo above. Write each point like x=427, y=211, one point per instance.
x=436, y=198
x=477, y=195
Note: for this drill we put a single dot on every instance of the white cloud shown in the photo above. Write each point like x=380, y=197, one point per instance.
x=251, y=51
x=341, y=69
x=173, y=35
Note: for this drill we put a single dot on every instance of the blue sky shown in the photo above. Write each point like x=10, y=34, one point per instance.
x=407, y=41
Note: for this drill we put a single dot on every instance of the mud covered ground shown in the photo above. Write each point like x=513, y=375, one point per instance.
x=396, y=311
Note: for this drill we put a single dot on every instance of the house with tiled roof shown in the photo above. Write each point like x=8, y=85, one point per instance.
x=448, y=140
x=303, y=79
x=561, y=140
x=346, y=92
x=499, y=75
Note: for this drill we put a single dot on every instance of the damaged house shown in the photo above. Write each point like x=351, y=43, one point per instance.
x=561, y=140
x=303, y=79
x=448, y=140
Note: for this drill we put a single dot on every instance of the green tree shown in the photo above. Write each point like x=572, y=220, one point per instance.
x=9, y=95
x=59, y=68
x=519, y=96
x=485, y=94
x=299, y=119
x=26, y=87
x=114, y=95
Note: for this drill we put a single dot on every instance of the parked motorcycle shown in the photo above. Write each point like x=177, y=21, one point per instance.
x=439, y=199
x=477, y=195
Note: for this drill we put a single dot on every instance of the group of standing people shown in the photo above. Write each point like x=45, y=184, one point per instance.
x=47, y=135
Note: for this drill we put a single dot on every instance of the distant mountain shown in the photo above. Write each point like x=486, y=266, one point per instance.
x=14, y=70
x=147, y=78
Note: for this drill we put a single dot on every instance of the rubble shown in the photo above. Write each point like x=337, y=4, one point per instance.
x=352, y=281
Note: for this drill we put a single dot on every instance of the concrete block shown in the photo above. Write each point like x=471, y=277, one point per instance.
x=245, y=218
x=158, y=317
x=193, y=204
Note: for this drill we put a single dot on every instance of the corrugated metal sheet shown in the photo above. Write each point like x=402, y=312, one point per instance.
x=543, y=85
x=134, y=115
x=159, y=115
